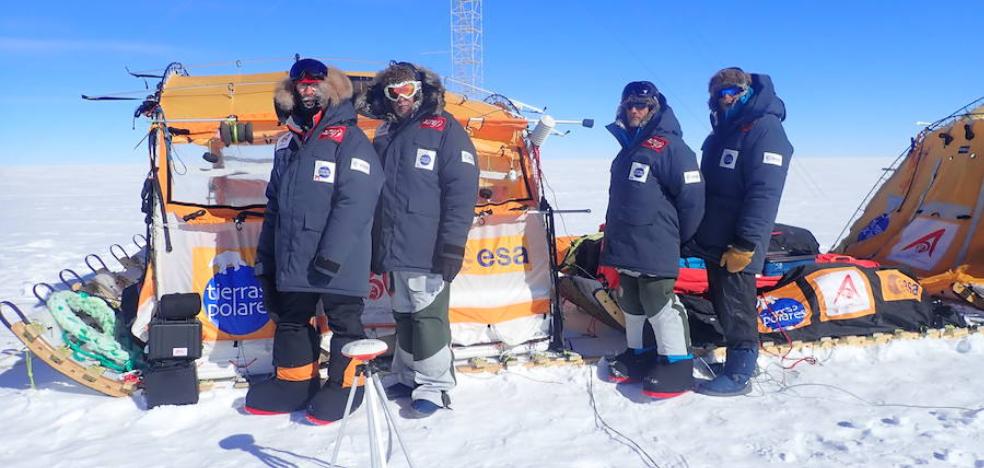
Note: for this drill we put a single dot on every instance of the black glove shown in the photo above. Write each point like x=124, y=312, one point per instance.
x=376, y=265
x=447, y=261
x=448, y=267
x=268, y=283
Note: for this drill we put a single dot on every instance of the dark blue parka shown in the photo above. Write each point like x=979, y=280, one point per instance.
x=744, y=161
x=427, y=204
x=321, y=198
x=655, y=197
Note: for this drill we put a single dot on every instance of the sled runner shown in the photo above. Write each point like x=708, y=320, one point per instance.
x=593, y=299
x=61, y=359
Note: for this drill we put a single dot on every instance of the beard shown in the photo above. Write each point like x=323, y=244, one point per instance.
x=310, y=103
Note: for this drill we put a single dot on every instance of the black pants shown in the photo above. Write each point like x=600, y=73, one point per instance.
x=294, y=311
x=734, y=299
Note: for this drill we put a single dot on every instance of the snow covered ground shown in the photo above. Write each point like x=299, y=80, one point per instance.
x=900, y=404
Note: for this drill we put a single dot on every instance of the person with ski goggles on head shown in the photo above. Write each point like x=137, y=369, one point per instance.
x=744, y=160
x=315, y=245
x=655, y=202
x=422, y=222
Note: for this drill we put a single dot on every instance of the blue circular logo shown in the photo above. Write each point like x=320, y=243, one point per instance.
x=728, y=159
x=875, y=227
x=324, y=172
x=638, y=172
x=425, y=159
x=233, y=301
x=783, y=314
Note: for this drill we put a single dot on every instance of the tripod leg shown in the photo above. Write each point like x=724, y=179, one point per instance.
x=341, y=431
x=378, y=385
x=378, y=457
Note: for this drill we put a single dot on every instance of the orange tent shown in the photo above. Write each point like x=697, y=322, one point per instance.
x=208, y=198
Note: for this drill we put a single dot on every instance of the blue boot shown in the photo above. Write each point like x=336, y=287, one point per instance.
x=735, y=379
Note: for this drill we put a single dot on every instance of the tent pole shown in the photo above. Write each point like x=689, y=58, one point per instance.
x=557, y=316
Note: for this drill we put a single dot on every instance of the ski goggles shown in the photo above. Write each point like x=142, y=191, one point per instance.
x=730, y=91
x=405, y=89
x=308, y=71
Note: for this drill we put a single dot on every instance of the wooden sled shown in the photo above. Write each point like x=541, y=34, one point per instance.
x=967, y=292
x=593, y=299
x=60, y=359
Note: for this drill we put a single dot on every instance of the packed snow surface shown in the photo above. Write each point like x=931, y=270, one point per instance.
x=904, y=403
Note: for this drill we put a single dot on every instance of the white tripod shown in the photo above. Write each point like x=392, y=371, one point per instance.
x=374, y=399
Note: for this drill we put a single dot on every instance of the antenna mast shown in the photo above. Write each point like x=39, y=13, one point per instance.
x=466, y=46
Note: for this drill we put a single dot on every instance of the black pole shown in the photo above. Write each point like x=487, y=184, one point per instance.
x=557, y=315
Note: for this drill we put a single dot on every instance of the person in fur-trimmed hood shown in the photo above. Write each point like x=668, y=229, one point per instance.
x=314, y=244
x=425, y=211
x=744, y=160
x=655, y=202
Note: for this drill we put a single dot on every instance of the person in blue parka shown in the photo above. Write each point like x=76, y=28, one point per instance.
x=425, y=212
x=744, y=161
x=314, y=244
x=655, y=203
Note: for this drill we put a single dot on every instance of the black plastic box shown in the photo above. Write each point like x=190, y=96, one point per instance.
x=171, y=383
x=174, y=340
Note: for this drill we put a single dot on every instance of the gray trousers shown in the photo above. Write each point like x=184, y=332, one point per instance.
x=423, y=358
x=652, y=300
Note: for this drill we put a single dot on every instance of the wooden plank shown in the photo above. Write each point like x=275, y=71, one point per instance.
x=60, y=359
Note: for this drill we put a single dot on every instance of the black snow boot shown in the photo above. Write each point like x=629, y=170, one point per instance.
x=295, y=354
x=328, y=405
x=630, y=365
x=669, y=378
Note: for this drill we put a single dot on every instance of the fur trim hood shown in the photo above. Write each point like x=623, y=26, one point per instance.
x=335, y=89
x=373, y=104
x=658, y=104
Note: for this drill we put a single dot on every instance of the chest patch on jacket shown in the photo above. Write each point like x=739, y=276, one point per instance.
x=467, y=157
x=284, y=141
x=434, y=123
x=691, y=177
x=639, y=172
x=360, y=165
x=728, y=158
x=772, y=158
x=656, y=144
x=336, y=134
x=425, y=159
x=324, y=171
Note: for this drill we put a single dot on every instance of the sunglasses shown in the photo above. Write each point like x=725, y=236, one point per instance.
x=731, y=91
x=637, y=106
x=405, y=89
x=308, y=69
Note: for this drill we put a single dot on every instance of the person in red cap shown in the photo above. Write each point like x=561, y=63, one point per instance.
x=314, y=246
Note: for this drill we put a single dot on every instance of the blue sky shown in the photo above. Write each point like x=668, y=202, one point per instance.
x=855, y=76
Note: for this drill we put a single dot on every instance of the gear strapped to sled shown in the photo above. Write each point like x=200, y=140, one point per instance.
x=85, y=341
x=63, y=360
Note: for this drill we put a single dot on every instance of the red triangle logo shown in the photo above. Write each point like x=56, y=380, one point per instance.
x=847, y=290
x=926, y=244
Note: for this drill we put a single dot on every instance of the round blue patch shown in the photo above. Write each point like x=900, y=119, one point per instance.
x=783, y=314
x=875, y=227
x=728, y=159
x=324, y=172
x=425, y=160
x=233, y=301
x=638, y=172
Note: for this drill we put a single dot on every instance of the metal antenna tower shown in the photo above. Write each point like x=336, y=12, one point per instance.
x=466, y=46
